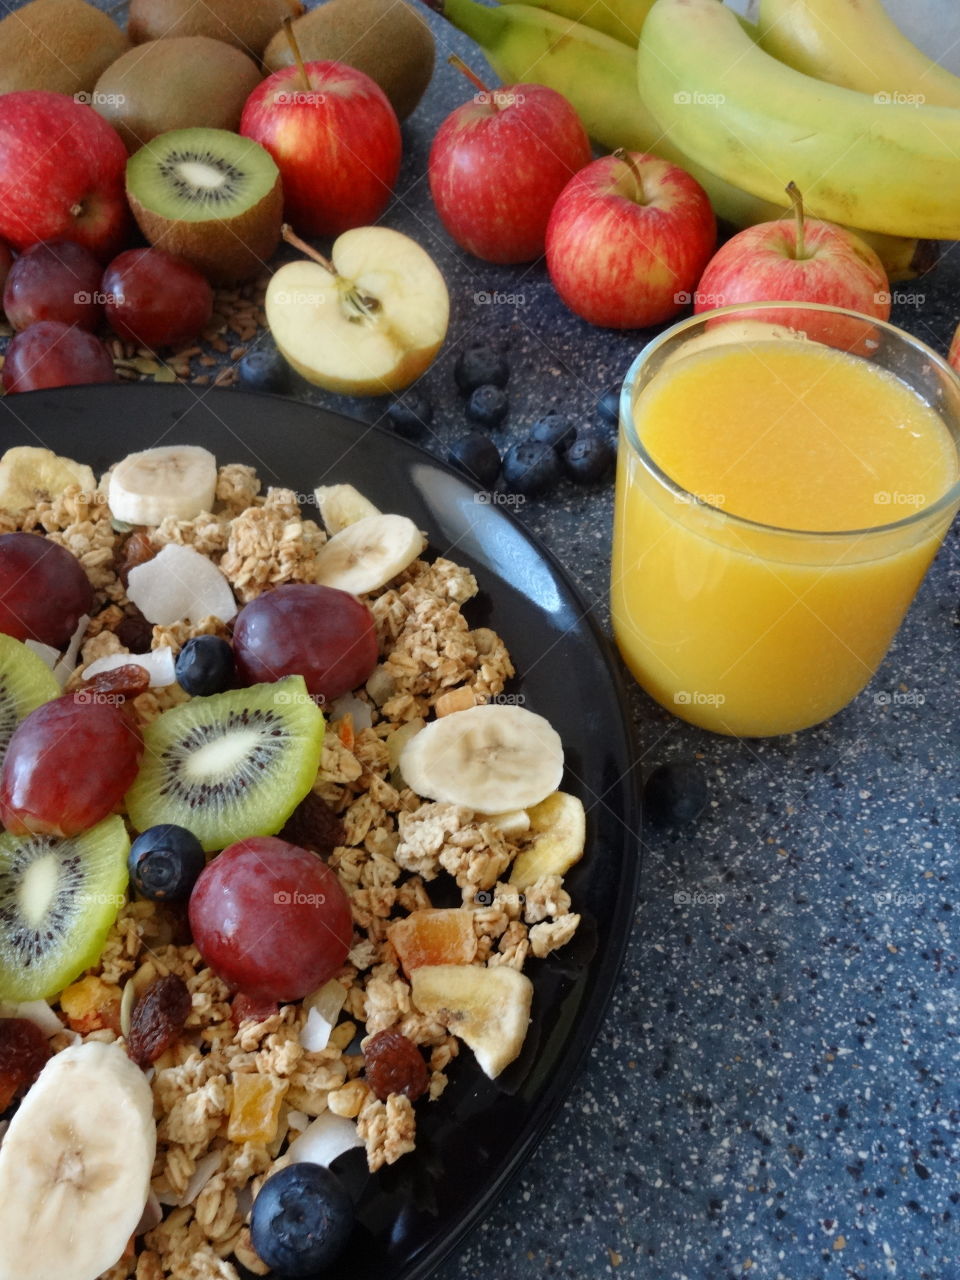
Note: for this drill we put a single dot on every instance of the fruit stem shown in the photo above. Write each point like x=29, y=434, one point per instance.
x=796, y=199
x=621, y=153
x=363, y=303
x=474, y=79
x=297, y=55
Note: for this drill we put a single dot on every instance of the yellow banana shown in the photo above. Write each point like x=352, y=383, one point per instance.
x=854, y=43
x=621, y=19
x=888, y=167
x=598, y=76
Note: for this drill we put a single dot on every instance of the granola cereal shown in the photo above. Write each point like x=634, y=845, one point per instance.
x=230, y=1098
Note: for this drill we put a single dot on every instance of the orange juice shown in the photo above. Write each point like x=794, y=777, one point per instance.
x=757, y=593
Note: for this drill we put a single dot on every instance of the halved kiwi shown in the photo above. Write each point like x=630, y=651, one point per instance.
x=209, y=196
x=58, y=898
x=26, y=682
x=230, y=766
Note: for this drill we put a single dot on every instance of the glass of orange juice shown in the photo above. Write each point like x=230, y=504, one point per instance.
x=785, y=477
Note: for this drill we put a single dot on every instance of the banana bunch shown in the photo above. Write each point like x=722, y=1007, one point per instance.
x=598, y=75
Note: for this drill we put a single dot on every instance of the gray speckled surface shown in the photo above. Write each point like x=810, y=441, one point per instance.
x=775, y=1090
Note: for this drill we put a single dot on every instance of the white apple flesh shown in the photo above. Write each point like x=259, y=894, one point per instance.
x=372, y=326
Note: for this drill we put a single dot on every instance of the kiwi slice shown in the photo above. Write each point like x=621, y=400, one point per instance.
x=230, y=766
x=26, y=682
x=209, y=196
x=58, y=898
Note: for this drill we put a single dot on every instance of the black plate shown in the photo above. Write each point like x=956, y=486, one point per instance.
x=471, y=1142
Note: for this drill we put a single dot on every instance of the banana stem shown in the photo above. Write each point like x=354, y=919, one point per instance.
x=365, y=304
x=297, y=55
x=796, y=199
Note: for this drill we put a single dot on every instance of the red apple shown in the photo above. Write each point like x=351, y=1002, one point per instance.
x=62, y=170
x=499, y=162
x=799, y=260
x=954, y=356
x=336, y=142
x=627, y=240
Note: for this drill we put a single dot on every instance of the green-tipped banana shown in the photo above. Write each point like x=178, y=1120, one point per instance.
x=621, y=19
x=854, y=43
x=888, y=167
x=597, y=74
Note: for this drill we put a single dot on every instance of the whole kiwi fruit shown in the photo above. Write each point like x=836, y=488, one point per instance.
x=180, y=83
x=58, y=45
x=388, y=40
x=248, y=24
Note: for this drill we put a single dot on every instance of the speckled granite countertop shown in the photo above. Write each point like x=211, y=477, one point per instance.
x=775, y=1092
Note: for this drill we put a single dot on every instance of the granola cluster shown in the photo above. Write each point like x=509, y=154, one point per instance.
x=230, y=1097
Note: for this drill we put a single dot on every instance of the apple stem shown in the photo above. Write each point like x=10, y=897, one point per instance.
x=473, y=78
x=364, y=303
x=297, y=55
x=621, y=153
x=796, y=198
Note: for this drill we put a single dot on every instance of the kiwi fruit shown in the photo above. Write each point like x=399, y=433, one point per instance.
x=209, y=196
x=58, y=898
x=229, y=766
x=388, y=40
x=26, y=682
x=248, y=24
x=175, y=84
x=58, y=45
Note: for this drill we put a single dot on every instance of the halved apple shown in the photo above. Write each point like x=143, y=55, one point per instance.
x=370, y=326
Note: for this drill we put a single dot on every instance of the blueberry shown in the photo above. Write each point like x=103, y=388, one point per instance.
x=589, y=459
x=301, y=1219
x=555, y=429
x=479, y=365
x=411, y=415
x=264, y=369
x=675, y=793
x=477, y=457
x=487, y=405
x=205, y=666
x=531, y=467
x=608, y=406
x=165, y=861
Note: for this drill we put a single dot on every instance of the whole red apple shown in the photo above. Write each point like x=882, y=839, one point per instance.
x=497, y=165
x=62, y=171
x=336, y=142
x=628, y=239
x=795, y=260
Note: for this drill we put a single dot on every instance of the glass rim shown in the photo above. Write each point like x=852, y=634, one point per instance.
x=947, y=499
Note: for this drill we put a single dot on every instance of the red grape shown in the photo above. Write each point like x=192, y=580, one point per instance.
x=54, y=354
x=271, y=919
x=44, y=591
x=69, y=764
x=54, y=280
x=155, y=299
x=325, y=635
x=6, y=262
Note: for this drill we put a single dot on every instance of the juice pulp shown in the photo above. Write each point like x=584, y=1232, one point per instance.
x=744, y=628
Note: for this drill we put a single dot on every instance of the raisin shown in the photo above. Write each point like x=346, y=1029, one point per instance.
x=244, y=1007
x=314, y=825
x=117, y=684
x=135, y=632
x=158, y=1018
x=137, y=549
x=23, y=1051
x=394, y=1064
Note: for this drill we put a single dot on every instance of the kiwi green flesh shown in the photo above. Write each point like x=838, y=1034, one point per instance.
x=230, y=766
x=26, y=682
x=194, y=175
x=58, y=898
